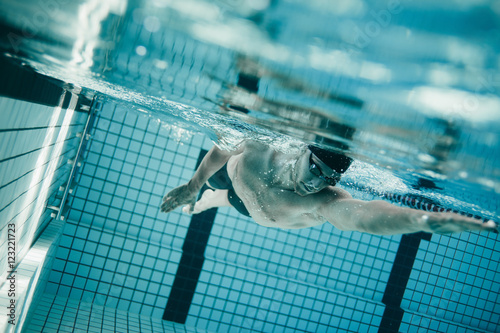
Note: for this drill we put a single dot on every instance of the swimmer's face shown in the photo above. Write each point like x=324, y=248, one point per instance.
x=312, y=175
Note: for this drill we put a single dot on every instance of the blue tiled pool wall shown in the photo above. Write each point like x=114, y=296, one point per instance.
x=116, y=248
x=119, y=251
x=36, y=145
x=455, y=284
x=59, y=314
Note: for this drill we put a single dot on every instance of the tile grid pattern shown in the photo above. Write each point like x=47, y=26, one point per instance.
x=118, y=251
x=58, y=314
x=118, y=247
x=456, y=279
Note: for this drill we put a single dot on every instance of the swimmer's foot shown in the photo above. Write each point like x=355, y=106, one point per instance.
x=209, y=199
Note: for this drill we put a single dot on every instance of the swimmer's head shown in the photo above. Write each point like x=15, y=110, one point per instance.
x=335, y=161
x=313, y=173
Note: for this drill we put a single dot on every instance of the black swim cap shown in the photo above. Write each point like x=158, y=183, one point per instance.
x=336, y=161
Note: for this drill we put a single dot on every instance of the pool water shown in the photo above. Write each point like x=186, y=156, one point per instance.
x=386, y=82
x=410, y=90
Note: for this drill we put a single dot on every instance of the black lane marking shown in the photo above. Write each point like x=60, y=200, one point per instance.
x=398, y=279
x=191, y=263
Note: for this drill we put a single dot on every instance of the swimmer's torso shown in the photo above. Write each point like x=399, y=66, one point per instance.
x=264, y=180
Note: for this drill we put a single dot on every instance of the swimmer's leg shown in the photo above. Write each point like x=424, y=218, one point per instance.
x=209, y=199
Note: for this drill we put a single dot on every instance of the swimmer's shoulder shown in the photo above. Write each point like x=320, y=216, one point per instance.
x=253, y=145
x=253, y=156
x=255, y=152
x=333, y=193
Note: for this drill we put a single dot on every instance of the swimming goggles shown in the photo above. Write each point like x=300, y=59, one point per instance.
x=316, y=170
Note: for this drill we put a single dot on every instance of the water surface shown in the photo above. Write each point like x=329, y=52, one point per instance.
x=409, y=89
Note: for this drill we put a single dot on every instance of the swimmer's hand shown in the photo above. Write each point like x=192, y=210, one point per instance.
x=179, y=196
x=445, y=223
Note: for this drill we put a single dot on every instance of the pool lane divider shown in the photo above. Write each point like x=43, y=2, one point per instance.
x=398, y=280
x=191, y=263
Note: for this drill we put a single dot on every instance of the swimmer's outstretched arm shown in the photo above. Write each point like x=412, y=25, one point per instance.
x=186, y=194
x=382, y=218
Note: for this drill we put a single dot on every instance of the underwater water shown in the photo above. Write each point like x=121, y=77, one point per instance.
x=409, y=89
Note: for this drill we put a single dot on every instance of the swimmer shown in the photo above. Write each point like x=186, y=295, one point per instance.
x=297, y=190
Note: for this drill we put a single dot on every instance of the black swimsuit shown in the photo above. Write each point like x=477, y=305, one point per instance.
x=221, y=181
